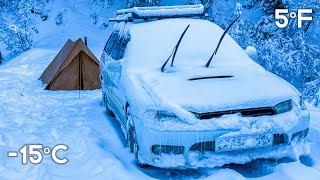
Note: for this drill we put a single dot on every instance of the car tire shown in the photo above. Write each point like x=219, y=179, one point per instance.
x=132, y=138
x=106, y=105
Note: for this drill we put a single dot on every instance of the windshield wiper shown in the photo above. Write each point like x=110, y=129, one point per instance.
x=224, y=33
x=175, y=49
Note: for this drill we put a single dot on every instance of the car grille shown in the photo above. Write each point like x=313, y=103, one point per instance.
x=252, y=112
x=203, y=146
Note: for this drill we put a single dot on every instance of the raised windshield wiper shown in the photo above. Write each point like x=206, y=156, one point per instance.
x=224, y=33
x=175, y=49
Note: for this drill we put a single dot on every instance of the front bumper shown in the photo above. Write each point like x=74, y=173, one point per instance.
x=291, y=146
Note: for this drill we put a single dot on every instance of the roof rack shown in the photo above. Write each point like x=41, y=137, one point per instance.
x=158, y=12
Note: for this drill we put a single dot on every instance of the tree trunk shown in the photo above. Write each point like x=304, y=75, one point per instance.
x=1, y=59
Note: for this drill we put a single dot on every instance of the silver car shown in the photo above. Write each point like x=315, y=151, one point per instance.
x=181, y=104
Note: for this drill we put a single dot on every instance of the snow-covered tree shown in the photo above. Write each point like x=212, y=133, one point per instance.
x=291, y=53
x=17, y=25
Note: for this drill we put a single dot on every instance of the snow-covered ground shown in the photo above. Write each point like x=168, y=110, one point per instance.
x=97, y=147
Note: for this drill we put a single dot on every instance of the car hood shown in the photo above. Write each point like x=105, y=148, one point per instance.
x=226, y=89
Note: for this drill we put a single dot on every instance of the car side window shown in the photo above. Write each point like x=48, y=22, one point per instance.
x=119, y=47
x=110, y=43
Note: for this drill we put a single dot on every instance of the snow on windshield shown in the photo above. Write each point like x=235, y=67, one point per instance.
x=152, y=43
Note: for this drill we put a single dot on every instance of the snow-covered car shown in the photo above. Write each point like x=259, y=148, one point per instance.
x=177, y=111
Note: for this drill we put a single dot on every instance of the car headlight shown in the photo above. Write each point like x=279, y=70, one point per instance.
x=165, y=115
x=302, y=104
x=283, y=107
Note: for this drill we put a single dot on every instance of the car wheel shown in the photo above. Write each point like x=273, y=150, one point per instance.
x=132, y=138
x=106, y=105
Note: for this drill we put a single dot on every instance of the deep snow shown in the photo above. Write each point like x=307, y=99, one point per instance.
x=97, y=147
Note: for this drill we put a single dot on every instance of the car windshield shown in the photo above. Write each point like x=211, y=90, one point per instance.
x=149, y=49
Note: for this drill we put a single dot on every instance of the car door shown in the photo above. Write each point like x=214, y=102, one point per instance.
x=117, y=54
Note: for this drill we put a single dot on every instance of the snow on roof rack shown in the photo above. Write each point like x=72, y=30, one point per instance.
x=158, y=12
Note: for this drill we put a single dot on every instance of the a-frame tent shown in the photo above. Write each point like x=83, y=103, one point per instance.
x=74, y=68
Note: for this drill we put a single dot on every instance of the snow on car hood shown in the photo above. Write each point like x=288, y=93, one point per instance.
x=249, y=88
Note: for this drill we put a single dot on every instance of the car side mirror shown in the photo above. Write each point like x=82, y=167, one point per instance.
x=113, y=66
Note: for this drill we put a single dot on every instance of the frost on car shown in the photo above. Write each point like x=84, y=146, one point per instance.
x=183, y=114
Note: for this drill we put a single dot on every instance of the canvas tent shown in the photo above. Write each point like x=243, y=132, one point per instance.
x=74, y=68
